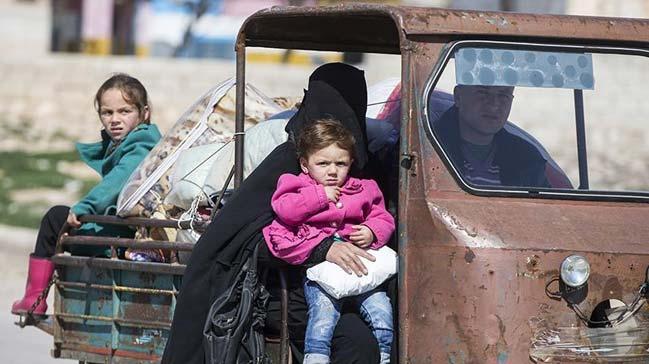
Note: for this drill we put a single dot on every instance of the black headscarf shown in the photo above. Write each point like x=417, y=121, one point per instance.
x=338, y=91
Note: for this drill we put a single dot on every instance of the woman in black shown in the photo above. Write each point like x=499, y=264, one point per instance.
x=335, y=90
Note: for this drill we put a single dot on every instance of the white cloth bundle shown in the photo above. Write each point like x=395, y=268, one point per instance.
x=338, y=283
x=203, y=170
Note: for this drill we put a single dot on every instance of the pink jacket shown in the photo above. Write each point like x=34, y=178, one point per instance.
x=305, y=216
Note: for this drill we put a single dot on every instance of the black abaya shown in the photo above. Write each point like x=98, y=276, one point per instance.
x=335, y=90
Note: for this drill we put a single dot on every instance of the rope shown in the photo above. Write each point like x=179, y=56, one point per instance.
x=191, y=213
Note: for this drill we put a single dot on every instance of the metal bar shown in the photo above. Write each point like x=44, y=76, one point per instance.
x=142, y=221
x=46, y=325
x=116, y=276
x=409, y=20
x=125, y=243
x=162, y=268
x=176, y=281
x=64, y=230
x=239, y=115
x=81, y=355
x=402, y=228
x=283, y=330
x=119, y=321
x=118, y=288
x=144, y=324
x=225, y=187
x=323, y=46
x=173, y=257
x=91, y=354
x=581, y=140
x=58, y=306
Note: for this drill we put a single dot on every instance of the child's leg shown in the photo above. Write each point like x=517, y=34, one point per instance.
x=323, y=314
x=40, y=267
x=376, y=310
x=48, y=233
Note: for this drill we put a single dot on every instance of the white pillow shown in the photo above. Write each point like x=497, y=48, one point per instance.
x=338, y=283
x=191, y=169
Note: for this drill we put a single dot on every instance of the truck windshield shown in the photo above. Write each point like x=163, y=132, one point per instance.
x=541, y=118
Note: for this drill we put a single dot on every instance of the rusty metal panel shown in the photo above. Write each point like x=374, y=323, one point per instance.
x=144, y=222
x=444, y=21
x=382, y=28
x=125, y=243
x=361, y=27
x=481, y=305
x=112, y=312
x=78, y=261
x=473, y=269
x=529, y=223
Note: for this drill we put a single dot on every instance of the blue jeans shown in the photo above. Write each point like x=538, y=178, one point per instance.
x=323, y=315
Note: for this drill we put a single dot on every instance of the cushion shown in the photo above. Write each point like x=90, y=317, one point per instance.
x=338, y=283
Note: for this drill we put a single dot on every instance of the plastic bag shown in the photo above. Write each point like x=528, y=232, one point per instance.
x=209, y=120
x=203, y=170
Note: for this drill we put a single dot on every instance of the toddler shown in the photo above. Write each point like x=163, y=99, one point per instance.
x=324, y=202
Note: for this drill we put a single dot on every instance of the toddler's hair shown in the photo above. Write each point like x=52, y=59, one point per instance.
x=322, y=133
x=132, y=90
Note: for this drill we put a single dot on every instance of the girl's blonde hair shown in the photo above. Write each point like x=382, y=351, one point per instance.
x=133, y=91
x=322, y=133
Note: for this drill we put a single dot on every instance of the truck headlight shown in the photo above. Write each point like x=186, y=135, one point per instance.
x=573, y=284
x=575, y=271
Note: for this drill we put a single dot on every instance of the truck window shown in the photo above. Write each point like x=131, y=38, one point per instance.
x=545, y=119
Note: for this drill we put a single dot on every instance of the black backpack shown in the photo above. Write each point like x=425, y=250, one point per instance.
x=233, y=332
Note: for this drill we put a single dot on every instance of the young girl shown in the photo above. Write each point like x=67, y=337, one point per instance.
x=127, y=137
x=324, y=202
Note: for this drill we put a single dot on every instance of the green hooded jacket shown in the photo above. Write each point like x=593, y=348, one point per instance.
x=115, y=164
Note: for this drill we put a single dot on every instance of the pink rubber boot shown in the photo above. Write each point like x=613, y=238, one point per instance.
x=38, y=276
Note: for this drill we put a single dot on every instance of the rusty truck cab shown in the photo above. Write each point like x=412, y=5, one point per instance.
x=480, y=277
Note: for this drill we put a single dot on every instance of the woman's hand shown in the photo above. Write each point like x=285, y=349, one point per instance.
x=346, y=256
x=72, y=220
x=333, y=193
x=362, y=237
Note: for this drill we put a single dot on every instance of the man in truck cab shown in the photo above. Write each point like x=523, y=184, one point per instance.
x=486, y=153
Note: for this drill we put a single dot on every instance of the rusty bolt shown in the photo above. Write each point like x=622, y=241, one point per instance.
x=533, y=262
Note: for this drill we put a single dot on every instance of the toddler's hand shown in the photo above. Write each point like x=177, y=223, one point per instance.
x=333, y=193
x=362, y=237
x=72, y=220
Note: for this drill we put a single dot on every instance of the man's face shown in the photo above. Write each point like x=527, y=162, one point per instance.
x=483, y=110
